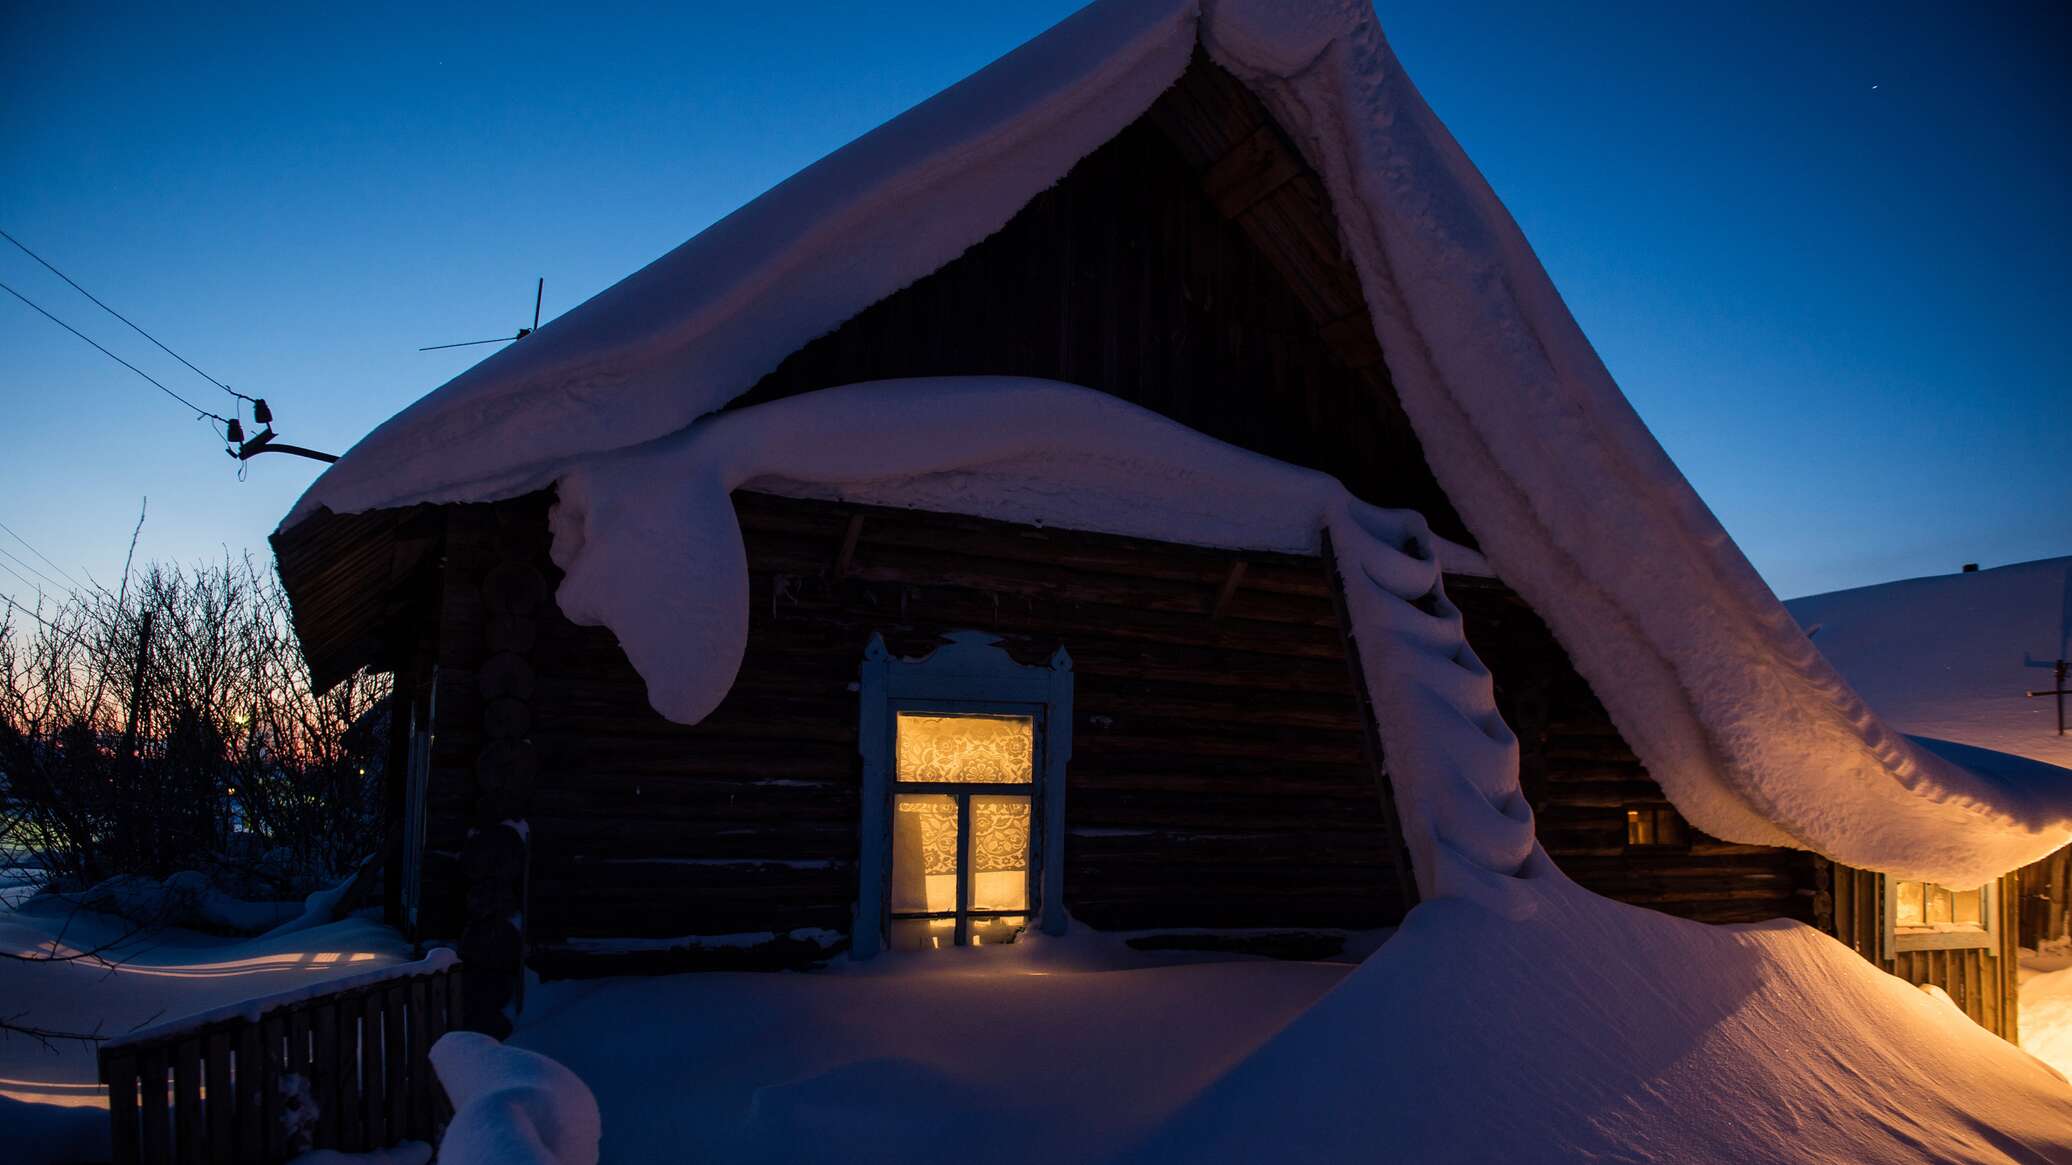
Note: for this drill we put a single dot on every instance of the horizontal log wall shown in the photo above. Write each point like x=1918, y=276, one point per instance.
x=1217, y=779
x=1581, y=777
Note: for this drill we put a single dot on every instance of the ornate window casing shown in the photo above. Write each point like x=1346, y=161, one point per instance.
x=1925, y=916
x=963, y=821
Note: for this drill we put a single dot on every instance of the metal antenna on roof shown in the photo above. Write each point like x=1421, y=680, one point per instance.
x=539, y=296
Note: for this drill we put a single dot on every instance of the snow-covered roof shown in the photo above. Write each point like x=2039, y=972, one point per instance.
x=1750, y=732
x=1950, y=658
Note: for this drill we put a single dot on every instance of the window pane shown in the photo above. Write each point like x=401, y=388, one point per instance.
x=1938, y=903
x=1909, y=911
x=923, y=934
x=999, y=853
x=993, y=932
x=924, y=853
x=1968, y=906
x=992, y=749
x=1640, y=827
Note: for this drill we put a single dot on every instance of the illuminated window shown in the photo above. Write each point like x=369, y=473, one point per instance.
x=964, y=755
x=960, y=858
x=1655, y=827
x=1930, y=916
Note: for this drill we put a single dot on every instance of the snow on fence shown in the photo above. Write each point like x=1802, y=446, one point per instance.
x=339, y=1065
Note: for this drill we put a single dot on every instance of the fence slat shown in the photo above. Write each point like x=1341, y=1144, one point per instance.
x=396, y=1061
x=373, y=1085
x=345, y=1068
x=187, y=1127
x=323, y=1024
x=119, y=1073
x=274, y=1035
x=156, y=1107
x=251, y=1105
x=219, y=1099
x=420, y=1073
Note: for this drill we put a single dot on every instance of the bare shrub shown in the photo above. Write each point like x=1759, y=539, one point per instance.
x=170, y=725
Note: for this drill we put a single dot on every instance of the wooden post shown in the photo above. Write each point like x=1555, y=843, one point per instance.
x=131, y=844
x=119, y=1073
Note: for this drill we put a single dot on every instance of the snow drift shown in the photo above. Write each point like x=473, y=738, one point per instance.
x=1750, y=732
x=511, y=1106
x=1596, y=1031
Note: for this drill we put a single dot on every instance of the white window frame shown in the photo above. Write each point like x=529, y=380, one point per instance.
x=1986, y=937
x=971, y=674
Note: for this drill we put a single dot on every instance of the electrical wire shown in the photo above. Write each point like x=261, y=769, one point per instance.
x=118, y=315
x=25, y=564
x=47, y=561
x=199, y=412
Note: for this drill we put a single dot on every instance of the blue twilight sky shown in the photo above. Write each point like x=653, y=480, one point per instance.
x=1822, y=247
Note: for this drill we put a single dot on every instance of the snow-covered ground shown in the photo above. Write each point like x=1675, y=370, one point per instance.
x=1053, y=1049
x=1591, y=1030
x=51, y=1106
x=2046, y=1019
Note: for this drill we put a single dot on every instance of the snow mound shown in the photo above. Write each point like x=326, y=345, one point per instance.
x=1599, y=1031
x=1750, y=732
x=511, y=1106
x=1950, y=657
x=651, y=548
x=2046, y=1019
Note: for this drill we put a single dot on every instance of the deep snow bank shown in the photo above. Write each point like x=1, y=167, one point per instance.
x=2046, y=1019
x=1598, y=1031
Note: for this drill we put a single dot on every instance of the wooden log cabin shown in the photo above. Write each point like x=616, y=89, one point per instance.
x=948, y=727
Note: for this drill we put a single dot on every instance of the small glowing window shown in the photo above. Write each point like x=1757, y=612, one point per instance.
x=961, y=856
x=1655, y=825
x=1929, y=906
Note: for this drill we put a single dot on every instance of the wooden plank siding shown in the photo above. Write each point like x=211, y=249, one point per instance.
x=1983, y=983
x=1581, y=777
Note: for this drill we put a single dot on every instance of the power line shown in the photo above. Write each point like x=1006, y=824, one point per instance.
x=18, y=575
x=25, y=564
x=197, y=409
x=15, y=603
x=45, y=557
x=118, y=315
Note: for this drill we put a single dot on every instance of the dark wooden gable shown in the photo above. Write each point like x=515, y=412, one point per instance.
x=1192, y=266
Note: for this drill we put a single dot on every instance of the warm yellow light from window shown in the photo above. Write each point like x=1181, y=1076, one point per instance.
x=1928, y=905
x=983, y=749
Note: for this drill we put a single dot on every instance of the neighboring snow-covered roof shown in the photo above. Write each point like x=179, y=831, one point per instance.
x=1949, y=657
x=1748, y=730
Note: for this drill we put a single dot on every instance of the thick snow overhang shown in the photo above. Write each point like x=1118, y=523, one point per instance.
x=1750, y=732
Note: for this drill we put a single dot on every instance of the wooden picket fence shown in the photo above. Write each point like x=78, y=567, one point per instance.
x=347, y=1069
